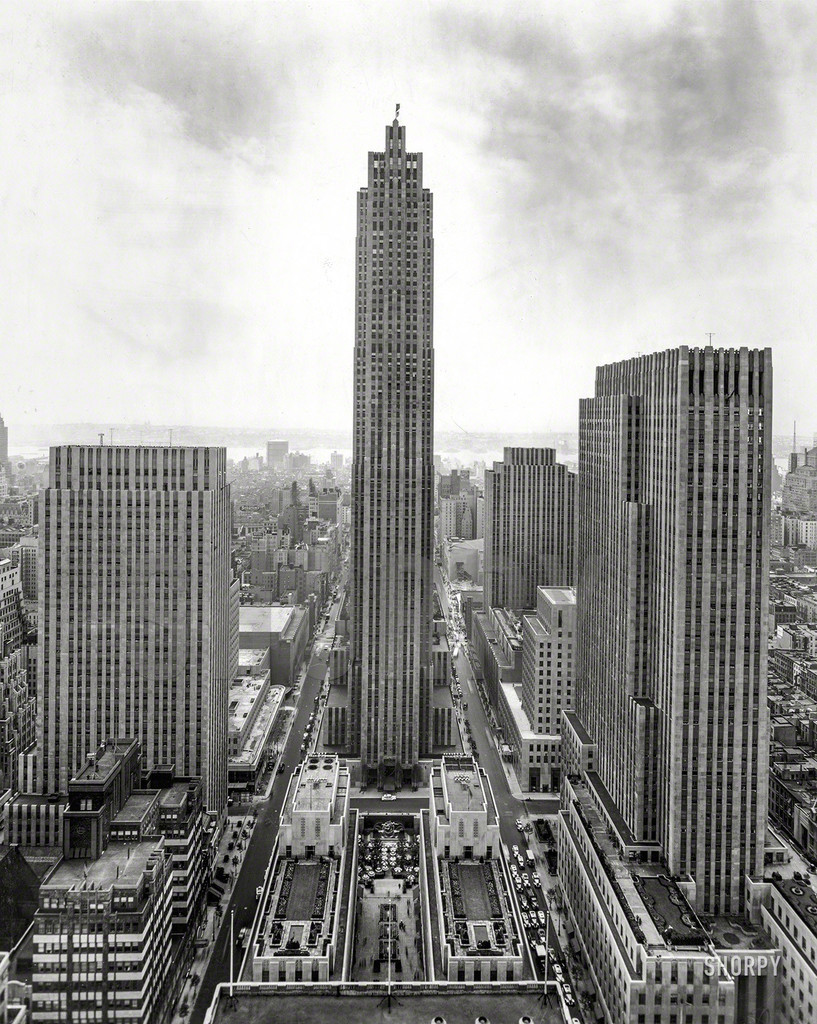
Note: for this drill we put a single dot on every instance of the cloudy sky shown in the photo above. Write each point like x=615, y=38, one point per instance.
x=179, y=182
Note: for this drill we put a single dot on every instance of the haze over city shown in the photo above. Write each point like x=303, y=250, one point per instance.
x=180, y=184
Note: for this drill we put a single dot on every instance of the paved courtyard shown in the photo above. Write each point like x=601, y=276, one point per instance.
x=373, y=931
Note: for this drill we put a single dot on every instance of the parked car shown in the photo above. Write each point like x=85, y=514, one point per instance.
x=258, y=890
x=388, y=796
x=537, y=881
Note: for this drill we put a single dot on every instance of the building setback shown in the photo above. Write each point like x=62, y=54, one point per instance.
x=134, y=595
x=529, y=527
x=673, y=594
x=389, y=718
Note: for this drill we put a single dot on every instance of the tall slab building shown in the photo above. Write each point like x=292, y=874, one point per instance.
x=673, y=543
x=529, y=527
x=389, y=720
x=133, y=593
x=5, y=464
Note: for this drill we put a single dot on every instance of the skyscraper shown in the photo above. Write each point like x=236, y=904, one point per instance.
x=673, y=565
x=133, y=593
x=529, y=527
x=389, y=717
x=4, y=448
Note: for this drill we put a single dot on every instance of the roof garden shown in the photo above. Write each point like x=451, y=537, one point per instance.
x=800, y=895
x=477, y=919
x=299, y=910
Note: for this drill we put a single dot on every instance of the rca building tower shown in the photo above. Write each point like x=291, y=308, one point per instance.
x=390, y=717
x=134, y=590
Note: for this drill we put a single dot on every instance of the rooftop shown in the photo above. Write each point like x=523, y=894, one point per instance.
x=513, y=701
x=175, y=795
x=98, y=766
x=316, y=783
x=458, y=1004
x=265, y=618
x=122, y=864
x=250, y=657
x=463, y=784
x=477, y=919
x=137, y=806
x=559, y=595
x=254, y=742
x=298, y=913
x=243, y=693
x=655, y=904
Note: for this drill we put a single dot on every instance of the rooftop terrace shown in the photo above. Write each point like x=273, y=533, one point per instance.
x=316, y=784
x=463, y=784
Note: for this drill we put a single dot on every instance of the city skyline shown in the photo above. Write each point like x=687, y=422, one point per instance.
x=593, y=213
x=511, y=722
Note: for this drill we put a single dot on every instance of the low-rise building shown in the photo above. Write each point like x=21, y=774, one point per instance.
x=252, y=712
x=294, y=937
x=789, y=914
x=284, y=630
x=530, y=712
x=480, y=938
x=650, y=957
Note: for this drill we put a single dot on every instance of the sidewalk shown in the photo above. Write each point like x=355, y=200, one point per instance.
x=211, y=921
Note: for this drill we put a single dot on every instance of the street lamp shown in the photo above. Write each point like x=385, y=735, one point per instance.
x=232, y=949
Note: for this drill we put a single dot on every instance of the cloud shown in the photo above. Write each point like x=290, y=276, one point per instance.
x=233, y=80
x=180, y=179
